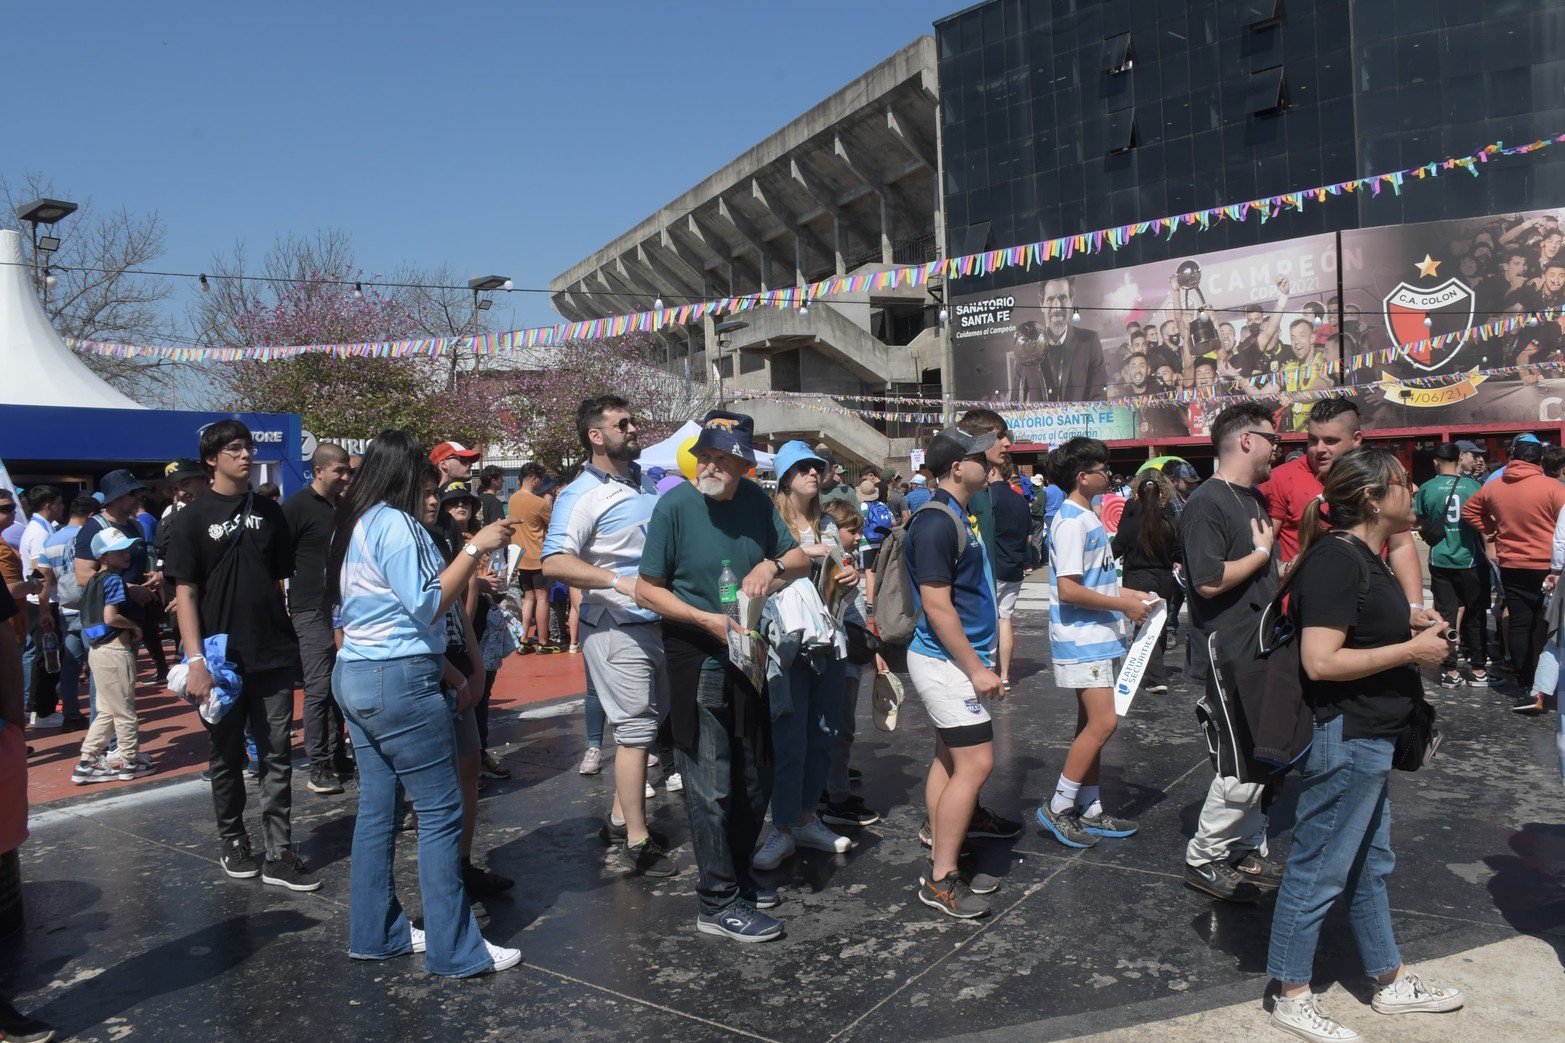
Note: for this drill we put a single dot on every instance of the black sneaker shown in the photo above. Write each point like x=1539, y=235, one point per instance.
x=14, y=1025
x=1265, y=873
x=740, y=922
x=346, y=769
x=1451, y=679
x=481, y=883
x=1065, y=827
x=612, y=834
x=952, y=897
x=986, y=825
x=855, y=775
x=850, y=812
x=978, y=883
x=237, y=860
x=323, y=780
x=643, y=859
x=1221, y=880
x=289, y=871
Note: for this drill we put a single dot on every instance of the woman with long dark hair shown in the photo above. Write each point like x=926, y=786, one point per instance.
x=389, y=589
x=1360, y=662
x=1148, y=545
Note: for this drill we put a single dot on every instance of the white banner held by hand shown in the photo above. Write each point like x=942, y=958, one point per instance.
x=1129, y=680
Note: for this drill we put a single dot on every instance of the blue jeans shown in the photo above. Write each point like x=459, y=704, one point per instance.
x=802, y=738
x=400, y=724
x=1341, y=843
x=725, y=796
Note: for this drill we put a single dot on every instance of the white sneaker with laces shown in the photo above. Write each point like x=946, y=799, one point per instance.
x=650, y=792
x=815, y=834
x=1411, y=994
x=778, y=846
x=418, y=939
x=591, y=761
x=504, y=959
x=53, y=720
x=674, y=783
x=1304, y=1018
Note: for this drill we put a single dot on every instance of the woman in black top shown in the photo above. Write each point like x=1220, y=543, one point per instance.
x=1360, y=662
x=1148, y=544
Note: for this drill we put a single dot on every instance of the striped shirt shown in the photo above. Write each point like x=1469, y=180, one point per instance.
x=1079, y=546
x=390, y=589
x=602, y=520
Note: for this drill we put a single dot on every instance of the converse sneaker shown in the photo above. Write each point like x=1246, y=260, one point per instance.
x=237, y=860
x=673, y=782
x=952, y=897
x=502, y=958
x=591, y=761
x=290, y=871
x=1304, y=1018
x=418, y=939
x=1411, y=994
x=87, y=772
x=778, y=846
x=740, y=922
x=814, y=834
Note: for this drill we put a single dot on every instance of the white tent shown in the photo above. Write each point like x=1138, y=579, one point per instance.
x=39, y=369
x=665, y=454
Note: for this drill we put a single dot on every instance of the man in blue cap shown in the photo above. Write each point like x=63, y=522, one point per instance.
x=722, y=519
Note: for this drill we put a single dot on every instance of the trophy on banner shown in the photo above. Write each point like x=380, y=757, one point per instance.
x=1203, y=331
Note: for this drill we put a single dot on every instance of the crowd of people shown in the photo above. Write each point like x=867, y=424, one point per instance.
x=394, y=585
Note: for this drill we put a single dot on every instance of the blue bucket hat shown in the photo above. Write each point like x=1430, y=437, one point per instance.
x=791, y=455
x=733, y=433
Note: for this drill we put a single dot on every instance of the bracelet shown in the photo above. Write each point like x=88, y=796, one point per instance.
x=1262, y=550
x=195, y=659
x=1418, y=607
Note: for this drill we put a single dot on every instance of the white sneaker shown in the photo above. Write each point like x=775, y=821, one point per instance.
x=650, y=792
x=504, y=959
x=674, y=783
x=815, y=834
x=1304, y=1018
x=1411, y=994
x=591, y=761
x=53, y=720
x=778, y=846
x=652, y=760
x=418, y=939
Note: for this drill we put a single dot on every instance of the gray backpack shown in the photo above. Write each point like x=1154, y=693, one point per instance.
x=895, y=612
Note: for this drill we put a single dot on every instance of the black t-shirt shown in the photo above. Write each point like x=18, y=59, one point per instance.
x=490, y=509
x=242, y=600
x=1127, y=540
x=447, y=536
x=1214, y=528
x=310, y=516
x=1326, y=593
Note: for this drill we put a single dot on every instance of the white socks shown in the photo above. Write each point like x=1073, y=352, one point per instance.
x=1088, y=801
x=1064, y=795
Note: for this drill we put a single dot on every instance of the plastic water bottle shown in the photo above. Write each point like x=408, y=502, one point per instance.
x=728, y=591
x=51, y=653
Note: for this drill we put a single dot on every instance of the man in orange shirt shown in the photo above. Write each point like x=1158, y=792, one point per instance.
x=531, y=507
x=1518, y=510
x=1333, y=427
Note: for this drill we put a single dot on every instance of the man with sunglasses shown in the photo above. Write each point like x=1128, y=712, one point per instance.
x=228, y=555
x=596, y=535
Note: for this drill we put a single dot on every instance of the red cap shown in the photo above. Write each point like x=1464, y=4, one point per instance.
x=446, y=450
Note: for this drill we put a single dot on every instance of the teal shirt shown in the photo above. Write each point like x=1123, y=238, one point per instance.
x=1462, y=545
x=690, y=536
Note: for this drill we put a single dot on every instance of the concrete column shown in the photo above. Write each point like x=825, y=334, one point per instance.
x=837, y=243
x=885, y=225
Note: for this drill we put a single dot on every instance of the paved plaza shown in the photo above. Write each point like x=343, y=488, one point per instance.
x=133, y=931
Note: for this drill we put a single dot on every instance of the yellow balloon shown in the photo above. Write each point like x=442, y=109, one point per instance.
x=687, y=458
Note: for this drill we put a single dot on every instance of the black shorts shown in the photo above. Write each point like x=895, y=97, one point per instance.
x=531, y=579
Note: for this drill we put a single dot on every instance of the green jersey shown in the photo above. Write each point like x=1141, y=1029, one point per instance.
x=1462, y=545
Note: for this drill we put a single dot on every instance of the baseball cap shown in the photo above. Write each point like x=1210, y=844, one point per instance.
x=183, y=468
x=1181, y=471
x=1466, y=446
x=106, y=541
x=446, y=450
x=1037, y=479
x=917, y=479
x=1519, y=439
x=954, y=444
x=548, y=485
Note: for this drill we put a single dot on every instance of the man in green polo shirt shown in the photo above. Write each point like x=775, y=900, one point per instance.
x=1458, y=569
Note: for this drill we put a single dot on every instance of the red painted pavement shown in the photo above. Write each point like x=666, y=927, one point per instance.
x=171, y=733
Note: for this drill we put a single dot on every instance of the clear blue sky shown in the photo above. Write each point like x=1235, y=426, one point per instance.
x=511, y=137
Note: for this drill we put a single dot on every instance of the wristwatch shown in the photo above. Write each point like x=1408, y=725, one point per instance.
x=781, y=568
x=470, y=550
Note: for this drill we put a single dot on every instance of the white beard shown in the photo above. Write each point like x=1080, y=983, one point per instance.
x=710, y=486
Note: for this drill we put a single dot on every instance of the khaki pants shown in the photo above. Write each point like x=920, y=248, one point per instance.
x=114, y=672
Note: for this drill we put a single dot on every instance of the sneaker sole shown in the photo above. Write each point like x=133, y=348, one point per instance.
x=1054, y=831
x=1117, y=834
x=1236, y=898
x=934, y=903
x=831, y=850
x=748, y=939
x=275, y=882
x=323, y=790
x=1426, y=1007
x=838, y=820
x=923, y=881
x=506, y=963
x=242, y=874
x=88, y=781
x=976, y=834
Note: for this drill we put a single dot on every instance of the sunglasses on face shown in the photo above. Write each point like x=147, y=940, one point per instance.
x=623, y=424
x=7, y=508
x=1274, y=439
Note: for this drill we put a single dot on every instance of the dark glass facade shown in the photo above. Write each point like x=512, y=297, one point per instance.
x=1218, y=101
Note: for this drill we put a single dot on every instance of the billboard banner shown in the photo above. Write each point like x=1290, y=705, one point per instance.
x=1407, y=283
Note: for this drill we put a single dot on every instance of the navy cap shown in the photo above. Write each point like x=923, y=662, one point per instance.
x=1466, y=446
x=733, y=433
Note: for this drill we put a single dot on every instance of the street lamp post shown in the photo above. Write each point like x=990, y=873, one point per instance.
x=44, y=212
x=478, y=284
x=720, y=329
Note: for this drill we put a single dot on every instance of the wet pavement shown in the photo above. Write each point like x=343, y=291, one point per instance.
x=133, y=931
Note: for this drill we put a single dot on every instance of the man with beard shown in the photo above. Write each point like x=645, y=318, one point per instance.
x=596, y=536
x=1258, y=339
x=1067, y=365
x=718, y=721
x=1136, y=373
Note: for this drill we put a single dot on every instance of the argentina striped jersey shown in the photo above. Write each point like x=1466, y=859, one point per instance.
x=1079, y=546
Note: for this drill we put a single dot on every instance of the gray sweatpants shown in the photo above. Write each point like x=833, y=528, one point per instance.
x=1231, y=822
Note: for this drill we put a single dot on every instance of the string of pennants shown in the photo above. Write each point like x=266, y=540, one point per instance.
x=1383, y=356
x=976, y=264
